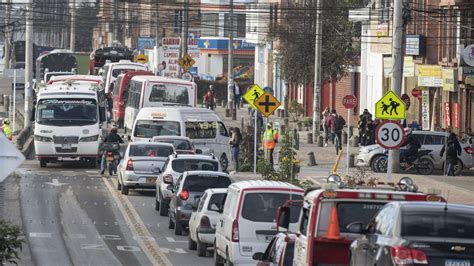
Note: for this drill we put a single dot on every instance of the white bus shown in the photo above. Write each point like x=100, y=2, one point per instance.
x=68, y=122
x=153, y=91
x=110, y=71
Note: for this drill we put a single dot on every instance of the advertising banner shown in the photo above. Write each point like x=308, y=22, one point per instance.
x=425, y=110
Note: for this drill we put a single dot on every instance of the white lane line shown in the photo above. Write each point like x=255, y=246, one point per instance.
x=172, y=240
x=92, y=172
x=75, y=236
x=41, y=235
x=154, y=253
x=94, y=175
x=175, y=250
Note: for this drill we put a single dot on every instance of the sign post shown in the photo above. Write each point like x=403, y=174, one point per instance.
x=266, y=104
x=349, y=102
x=389, y=135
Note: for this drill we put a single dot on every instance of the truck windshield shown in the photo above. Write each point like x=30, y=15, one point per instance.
x=169, y=93
x=151, y=128
x=67, y=112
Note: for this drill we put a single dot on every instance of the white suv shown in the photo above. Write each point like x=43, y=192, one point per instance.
x=174, y=166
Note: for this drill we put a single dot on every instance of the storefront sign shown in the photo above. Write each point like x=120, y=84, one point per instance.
x=145, y=43
x=408, y=67
x=466, y=75
x=468, y=55
x=456, y=115
x=425, y=110
x=429, y=75
x=170, y=55
x=447, y=115
x=450, y=79
x=415, y=45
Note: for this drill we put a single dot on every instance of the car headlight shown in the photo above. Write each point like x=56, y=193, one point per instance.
x=43, y=139
x=91, y=138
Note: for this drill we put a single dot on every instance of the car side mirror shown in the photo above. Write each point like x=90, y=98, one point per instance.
x=356, y=227
x=198, y=151
x=257, y=256
x=170, y=187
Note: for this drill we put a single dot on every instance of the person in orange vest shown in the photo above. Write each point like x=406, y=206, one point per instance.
x=7, y=130
x=269, y=142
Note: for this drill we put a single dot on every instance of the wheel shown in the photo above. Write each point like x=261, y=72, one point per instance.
x=163, y=207
x=119, y=185
x=157, y=205
x=92, y=163
x=124, y=190
x=218, y=260
x=201, y=248
x=111, y=168
x=170, y=223
x=178, y=228
x=373, y=161
x=224, y=162
x=43, y=162
x=458, y=167
x=227, y=259
x=424, y=166
x=381, y=164
x=191, y=243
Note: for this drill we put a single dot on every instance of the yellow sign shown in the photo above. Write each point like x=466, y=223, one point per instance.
x=141, y=58
x=450, y=79
x=390, y=106
x=186, y=62
x=267, y=104
x=252, y=95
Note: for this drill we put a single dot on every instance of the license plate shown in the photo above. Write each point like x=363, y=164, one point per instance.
x=66, y=146
x=150, y=180
x=457, y=263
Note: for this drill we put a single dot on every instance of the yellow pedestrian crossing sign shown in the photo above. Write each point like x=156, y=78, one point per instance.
x=390, y=106
x=252, y=95
x=267, y=104
x=186, y=62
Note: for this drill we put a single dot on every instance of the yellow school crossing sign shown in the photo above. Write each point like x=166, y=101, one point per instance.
x=252, y=95
x=390, y=106
x=267, y=104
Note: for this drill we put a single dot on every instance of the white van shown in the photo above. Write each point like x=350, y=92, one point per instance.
x=203, y=126
x=153, y=91
x=248, y=221
x=111, y=71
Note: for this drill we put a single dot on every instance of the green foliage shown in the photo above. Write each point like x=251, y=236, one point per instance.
x=295, y=110
x=308, y=122
x=246, y=150
x=9, y=242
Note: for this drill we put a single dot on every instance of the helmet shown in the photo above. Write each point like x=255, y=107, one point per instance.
x=407, y=131
x=6, y=122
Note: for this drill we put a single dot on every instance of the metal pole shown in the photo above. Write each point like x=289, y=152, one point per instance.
x=264, y=140
x=347, y=148
x=28, y=61
x=7, y=35
x=230, y=64
x=317, y=71
x=157, y=37
x=72, y=42
x=397, y=70
x=255, y=143
x=14, y=101
x=114, y=21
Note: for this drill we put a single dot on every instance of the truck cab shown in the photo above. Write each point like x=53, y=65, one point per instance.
x=332, y=215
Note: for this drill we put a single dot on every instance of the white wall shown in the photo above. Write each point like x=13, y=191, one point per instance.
x=211, y=65
x=374, y=81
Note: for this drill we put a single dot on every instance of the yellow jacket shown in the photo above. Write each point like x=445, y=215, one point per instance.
x=7, y=131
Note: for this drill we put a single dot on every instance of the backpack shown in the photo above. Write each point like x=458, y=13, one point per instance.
x=339, y=122
x=452, y=151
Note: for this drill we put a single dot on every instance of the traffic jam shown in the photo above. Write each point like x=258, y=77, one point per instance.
x=149, y=133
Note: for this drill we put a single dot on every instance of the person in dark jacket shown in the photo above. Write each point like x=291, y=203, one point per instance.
x=453, y=150
x=412, y=145
x=112, y=137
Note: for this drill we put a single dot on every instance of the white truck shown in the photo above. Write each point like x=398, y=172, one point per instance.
x=68, y=122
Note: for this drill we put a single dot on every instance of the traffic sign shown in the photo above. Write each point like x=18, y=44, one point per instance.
x=406, y=100
x=349, y=101
x=186, y=62
x=252, y=94
x=10, y=158
x=416, y=92
x=141, y=58
x=390, y=135
x=267, y=104
x=390, y=106
x=187, y=76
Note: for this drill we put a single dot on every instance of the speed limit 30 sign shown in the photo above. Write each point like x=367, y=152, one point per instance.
x=390, y=135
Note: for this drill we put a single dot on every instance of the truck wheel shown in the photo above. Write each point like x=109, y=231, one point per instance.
x=92, y=163
x=43, y=162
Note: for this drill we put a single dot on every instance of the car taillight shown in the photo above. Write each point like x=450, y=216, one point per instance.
x=168, y=179
x=407, y=256
x=129, y=165
x=468, y=150
x=235, y=231
x=110, y=153
x=184, y=194
x=205, y=222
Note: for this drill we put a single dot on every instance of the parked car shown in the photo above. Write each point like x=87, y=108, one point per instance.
x=141, y=165
x=416, y=233
x=203, y=221
x=279, y=252
x=186, y=193
x=182, y=145
x=175, y=165
x=429, y=140
x=248, y=220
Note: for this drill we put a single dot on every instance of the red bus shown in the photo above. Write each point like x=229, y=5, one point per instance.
x=120, y=94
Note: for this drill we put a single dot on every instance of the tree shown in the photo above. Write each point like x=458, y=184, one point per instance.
x=9, y=243
x=86, y=19
x=295, y=33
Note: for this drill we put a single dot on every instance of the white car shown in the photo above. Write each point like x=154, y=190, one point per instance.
x=202, y=225
x=174, y=166
x=141, y=165
x=429, y=140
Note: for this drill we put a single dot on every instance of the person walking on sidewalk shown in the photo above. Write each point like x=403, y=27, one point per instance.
x=325, y=114
x=453, y=150
x=234, y=142
x=209, y=98
x=237, y=95
x=336, y=124
x=7, y=130
x=269, y=141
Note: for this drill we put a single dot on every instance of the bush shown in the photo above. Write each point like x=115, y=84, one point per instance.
x=308, y=122
x=9, y=242
x=295, y=110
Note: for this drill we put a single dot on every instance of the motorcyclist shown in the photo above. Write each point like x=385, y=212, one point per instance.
x=412, y=145
x=112, y=137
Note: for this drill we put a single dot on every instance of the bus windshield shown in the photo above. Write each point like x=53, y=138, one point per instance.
x=169, y=93
x=67, y=112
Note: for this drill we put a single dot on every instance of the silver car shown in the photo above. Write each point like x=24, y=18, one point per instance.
x=429, y=140
x=141, y=165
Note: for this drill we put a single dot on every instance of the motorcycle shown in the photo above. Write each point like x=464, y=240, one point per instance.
x=111, y=155
x=422, y=162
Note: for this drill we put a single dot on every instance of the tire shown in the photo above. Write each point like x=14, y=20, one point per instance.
x=458, y=168
x=191, y=244
x=178, y=228
x=119, y=185
x=43, y=163
x=373, y=161
x=111, y=168
x=218, y=260
x=424, y=166
x=124, y=190
x=93, y=163
x=381, y=164
x=224, y=162
x=201, y=248
x=157, y=205
x=171, y=224
x=163, y=207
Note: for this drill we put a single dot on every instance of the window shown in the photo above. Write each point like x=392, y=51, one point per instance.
x=384, y=221
x=209, y=24
x=151, y=128
x=289, y=254
x=223, y=130
x=262, y=207
x=304, y=221
x=420, y=138
x=238, y=27
x=201, y=202
x=134, y=94
x=434, y=140
x=216, y=201
x=168, y=93
x=181, y=165
x=199, y=183
x=179, y=144
x=150, y=150
x=117, y=71
x=117, y=85
x=67, y=112
x=201, y=130
x=229, y=204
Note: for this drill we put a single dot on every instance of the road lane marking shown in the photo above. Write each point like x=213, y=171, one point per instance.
x=92, y=246
x=41, y=235
x=154, y=253
x=55, y=183
x=172, y=240
x=175, y=250
x=75, y=236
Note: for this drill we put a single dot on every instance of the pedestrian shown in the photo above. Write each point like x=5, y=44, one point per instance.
x=453, y=150
x=209, y=98
x=269, y=142
x=336, y=124
x=237, y=94
x=362, y=125
x=235, y=140
x=329, y=123
x=7, y=130
x=325, y=115
x=371, y=126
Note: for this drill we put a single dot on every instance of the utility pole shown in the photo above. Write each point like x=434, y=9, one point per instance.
x=157, y=38
x=230, y=110
x=397, y=69
x=28, y=61
x=7, y=46
x=72, y=44
x=114, y=21
x=317, y=72
x=184, y=33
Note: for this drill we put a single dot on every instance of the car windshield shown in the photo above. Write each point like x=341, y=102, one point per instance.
x=262, y=207
x=438, y=224
x=169, y=93
x=199, y=183
x=181, y=165
x=151, y=128
x=179, y=144
x=67, y=112
x=150, y=150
